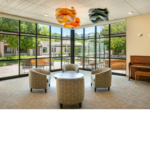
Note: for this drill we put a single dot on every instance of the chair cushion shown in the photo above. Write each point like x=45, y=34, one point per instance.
x=93, y=77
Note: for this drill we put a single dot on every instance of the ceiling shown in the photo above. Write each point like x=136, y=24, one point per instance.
x=36, y=9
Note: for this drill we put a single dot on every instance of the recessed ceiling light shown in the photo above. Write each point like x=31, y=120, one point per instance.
x=130, y=13
x=46, y=15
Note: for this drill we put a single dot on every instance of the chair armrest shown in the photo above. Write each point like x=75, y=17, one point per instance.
x=96, y=71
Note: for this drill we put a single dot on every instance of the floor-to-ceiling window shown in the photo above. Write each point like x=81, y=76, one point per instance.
x=66, y=46
x=89, y=48
x=56, y=48
x=118, y=47
x=25, y=45
x=43, y=46
x=102, y=46
x=27, y=48
x=9, y=57
x=78, y=48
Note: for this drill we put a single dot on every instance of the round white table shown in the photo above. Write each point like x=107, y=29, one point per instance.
x=68, y=75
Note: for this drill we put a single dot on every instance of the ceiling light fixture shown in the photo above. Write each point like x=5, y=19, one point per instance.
x=130, y=13
x=67, y=17
x=46, y=15
x=98, y=15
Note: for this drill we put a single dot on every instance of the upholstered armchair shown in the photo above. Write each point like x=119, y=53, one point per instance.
x=101, y=78
x=70, y=67
x=70, y=91
x=39, y=79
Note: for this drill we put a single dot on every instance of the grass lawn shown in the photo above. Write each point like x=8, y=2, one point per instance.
x=5, y=63
x=11, y=59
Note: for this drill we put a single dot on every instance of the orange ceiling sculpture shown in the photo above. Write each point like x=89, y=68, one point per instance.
x=67, y=17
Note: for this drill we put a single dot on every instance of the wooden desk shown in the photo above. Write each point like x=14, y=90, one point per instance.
x=140, y=73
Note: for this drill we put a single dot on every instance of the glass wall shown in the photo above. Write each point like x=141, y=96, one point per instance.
x=25, y=45
x=101, y=46
x=27, y=49
x=118, y=47
x=78, y=49
x=56, y=50
x=9, y=47
x=66, y=46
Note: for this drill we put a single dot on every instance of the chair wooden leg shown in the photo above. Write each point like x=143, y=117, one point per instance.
x=95, y=89
x=80, y=105
x=91, y=84
x=108, y=88
x=45, y=90
x=31, y=89
x=61, y=106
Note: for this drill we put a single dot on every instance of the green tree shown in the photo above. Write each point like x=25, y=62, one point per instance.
x=117, y=43
x=27, y=27
x=42, y=30
x=78, y=51
x=118, y=28
x=55, y=34
x=7, y=24
x=104, y=30
x=26, y=42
